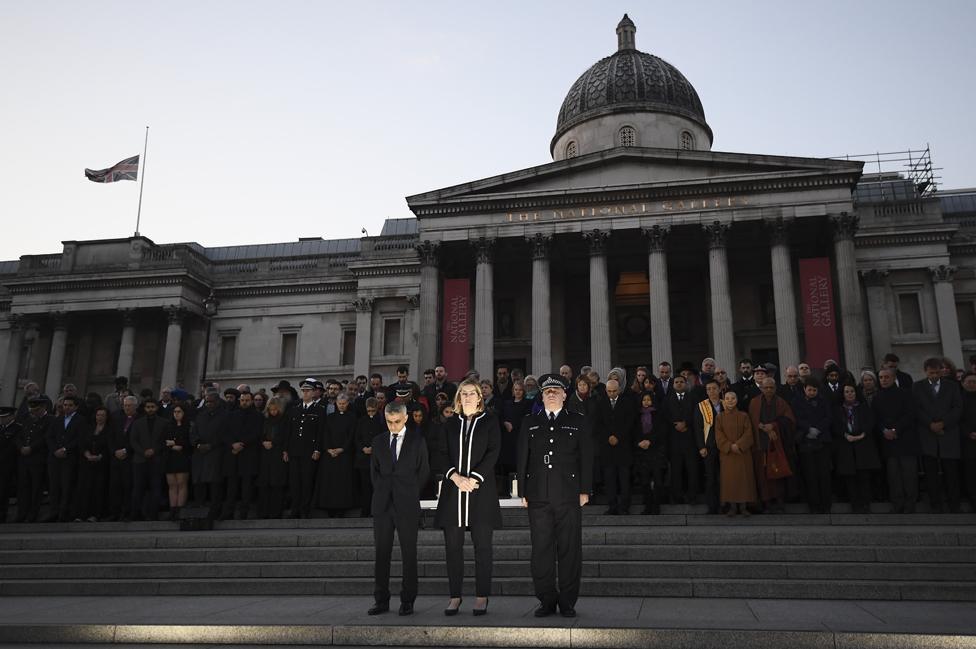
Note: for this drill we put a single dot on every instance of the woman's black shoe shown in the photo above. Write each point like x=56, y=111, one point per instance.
x=480, y=611
x=453, y=611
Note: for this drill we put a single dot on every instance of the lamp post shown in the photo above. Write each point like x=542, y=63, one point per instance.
x=210, y=304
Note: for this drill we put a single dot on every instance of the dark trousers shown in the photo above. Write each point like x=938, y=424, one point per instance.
x=969, y=466
x=650, y=481
x=684, y=466
x=617, y=482
x=859, y=490
x=406, y=527
x=816, y=479
x=240, y=490
x=30, y=478
x=217, y=496
x=365, y=492
x=902, y=482
x=271, y=501
x=942, y=485
x=120, y=487
x=454, y=545
x=61, y=478
x=92, y=484
x=146, y=476
x=301, y=483
x=8, y=486
x=711, y=463
x=556, y=531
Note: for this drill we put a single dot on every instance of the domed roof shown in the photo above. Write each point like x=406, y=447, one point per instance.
x=629, y=81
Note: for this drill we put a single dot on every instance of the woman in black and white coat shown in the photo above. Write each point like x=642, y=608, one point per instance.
x=469, y=498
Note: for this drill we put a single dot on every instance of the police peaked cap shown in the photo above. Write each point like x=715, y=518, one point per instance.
x=552, y=381
x=307, y=383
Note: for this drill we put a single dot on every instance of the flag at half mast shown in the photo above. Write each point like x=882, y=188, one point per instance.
x=128, y=169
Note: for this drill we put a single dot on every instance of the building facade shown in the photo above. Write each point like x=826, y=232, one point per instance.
x=636, y=244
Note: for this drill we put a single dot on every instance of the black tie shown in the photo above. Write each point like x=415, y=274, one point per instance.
x=680, y=396
x=552, y=418
x=393, y=443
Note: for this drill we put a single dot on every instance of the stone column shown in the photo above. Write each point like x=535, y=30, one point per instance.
x=541, y=305
x=874, y=281
x=599, y=302
x=723, y=335
x=364, y=334
x=784, y=299
x=429, y=303
x=657, y=263
x=8, y=391
x=412, y=335
x=484, y=320
x=55, y=361
x=849, y=287
x=945, y=305
x=128, y=345
x=171, y=353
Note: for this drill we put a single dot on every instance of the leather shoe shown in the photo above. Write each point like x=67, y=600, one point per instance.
x=567, y=612
x=544, y=610
x=450, y=612
x=406, y=608
x=378, y=608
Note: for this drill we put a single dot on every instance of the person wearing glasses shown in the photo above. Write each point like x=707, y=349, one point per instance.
x=470, y=445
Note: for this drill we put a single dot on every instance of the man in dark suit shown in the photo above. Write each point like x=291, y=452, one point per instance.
x=938, y=409
x=62, y=458
x=663, y=386
x=555, y=463
x=398, y=469
x=680, y=414
x=902, y=379
x=619, y=417
x=706, y=413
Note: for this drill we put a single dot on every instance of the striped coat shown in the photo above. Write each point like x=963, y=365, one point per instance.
x=470, y=448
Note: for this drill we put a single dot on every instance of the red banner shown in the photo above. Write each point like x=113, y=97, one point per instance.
x=819, y=315
x=455, y=336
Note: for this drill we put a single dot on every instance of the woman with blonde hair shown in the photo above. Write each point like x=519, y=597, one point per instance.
x=469, y=498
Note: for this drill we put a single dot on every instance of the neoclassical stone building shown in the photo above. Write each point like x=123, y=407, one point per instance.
x=636, y=244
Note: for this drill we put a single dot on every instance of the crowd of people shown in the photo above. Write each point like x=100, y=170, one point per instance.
x=741, y=444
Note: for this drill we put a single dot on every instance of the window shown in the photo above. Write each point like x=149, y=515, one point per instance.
x=289, y=349
x=627, y=136
x=911, y=313
x=391, y=337
x=687, y=141
x=571, y=149
x=348, y=347
x=967, y=320
x=228, y=353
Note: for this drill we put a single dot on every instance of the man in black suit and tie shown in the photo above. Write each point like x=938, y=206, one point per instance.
x=664, y=385
x=938, y=409
x=616, y=439
x=62, y=459
x=679, y=411
x=398, y=469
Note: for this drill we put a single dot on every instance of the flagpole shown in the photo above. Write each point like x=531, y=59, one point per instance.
x=142, y=180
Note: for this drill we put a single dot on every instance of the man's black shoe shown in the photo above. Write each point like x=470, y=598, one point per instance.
x=406, y=608
x=611, y=512
x=567, y=612
x=544, y=611
x=379, y=608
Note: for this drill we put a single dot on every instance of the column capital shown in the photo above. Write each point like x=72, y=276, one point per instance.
x=845, y=226
x=128, y=317
x=778, y=230
x=656, y=237
x=413, y=301
x=363, y=304
x=717, y=233
x=18, y=321
x=59, y=320
x=175, y=314
x=874, y=276
x=942, y=273
x=429, y=252
x=484, y=248
x=597, y=239
x=540, y=245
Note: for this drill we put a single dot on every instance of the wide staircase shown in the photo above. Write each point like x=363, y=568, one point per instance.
x=681, y=553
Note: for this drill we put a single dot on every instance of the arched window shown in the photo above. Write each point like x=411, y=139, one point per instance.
x=571, y=150
x=687, y=141
x=627, y=136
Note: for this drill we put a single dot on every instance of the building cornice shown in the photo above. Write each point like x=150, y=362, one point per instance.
x=872, y=239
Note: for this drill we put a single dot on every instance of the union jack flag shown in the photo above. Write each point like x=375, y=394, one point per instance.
x=128, y=169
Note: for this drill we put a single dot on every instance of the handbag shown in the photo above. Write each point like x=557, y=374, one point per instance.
x=777, y=466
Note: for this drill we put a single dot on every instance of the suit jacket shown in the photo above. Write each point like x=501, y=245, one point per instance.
x=945, y=407
x=904, y=380
x=476, y=460
x=681, y=410
x=893, y=408
x=620, y=420
x=396, y=489
x=58, y=436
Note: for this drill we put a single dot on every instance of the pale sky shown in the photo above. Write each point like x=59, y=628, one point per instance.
x=275, y=120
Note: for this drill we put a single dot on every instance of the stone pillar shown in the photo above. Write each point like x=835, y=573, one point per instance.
x=484, y=320
x=657, y=263
x=430, y=286
x=8, y=391
x=55, y=361
x=874, y=281
x=945, y=305
x=128, y=345
x=849, y=287
x=599, y=302
x=171, y=353
x=413, y=335
x=784, y=299
x=723, y=335
x=541, y=305
x=364, y=334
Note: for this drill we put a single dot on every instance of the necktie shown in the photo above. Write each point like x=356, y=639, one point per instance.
x=393, y=445
x=552, y=417
x=935, y=387
x=680, y=396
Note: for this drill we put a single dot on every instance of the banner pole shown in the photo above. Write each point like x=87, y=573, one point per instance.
x=142, y=179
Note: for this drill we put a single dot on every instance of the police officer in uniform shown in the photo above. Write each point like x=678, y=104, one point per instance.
x=303, y=447
x=10, y=428
x=31, y=444
x=555, y=465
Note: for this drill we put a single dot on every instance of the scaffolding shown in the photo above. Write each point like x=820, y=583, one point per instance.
x=897, y=175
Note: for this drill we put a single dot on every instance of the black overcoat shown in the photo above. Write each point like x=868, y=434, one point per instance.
x=477, y=460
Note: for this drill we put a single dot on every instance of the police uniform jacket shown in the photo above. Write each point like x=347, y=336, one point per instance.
x=34, y=435
x=66, y=437
x=470, y=448
x=8, y=441
x=555, y=459
x=306, y=429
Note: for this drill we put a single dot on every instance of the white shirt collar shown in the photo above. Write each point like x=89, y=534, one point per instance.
x=555, y=412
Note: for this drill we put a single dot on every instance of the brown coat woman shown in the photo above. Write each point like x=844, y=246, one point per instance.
x=735, y=438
